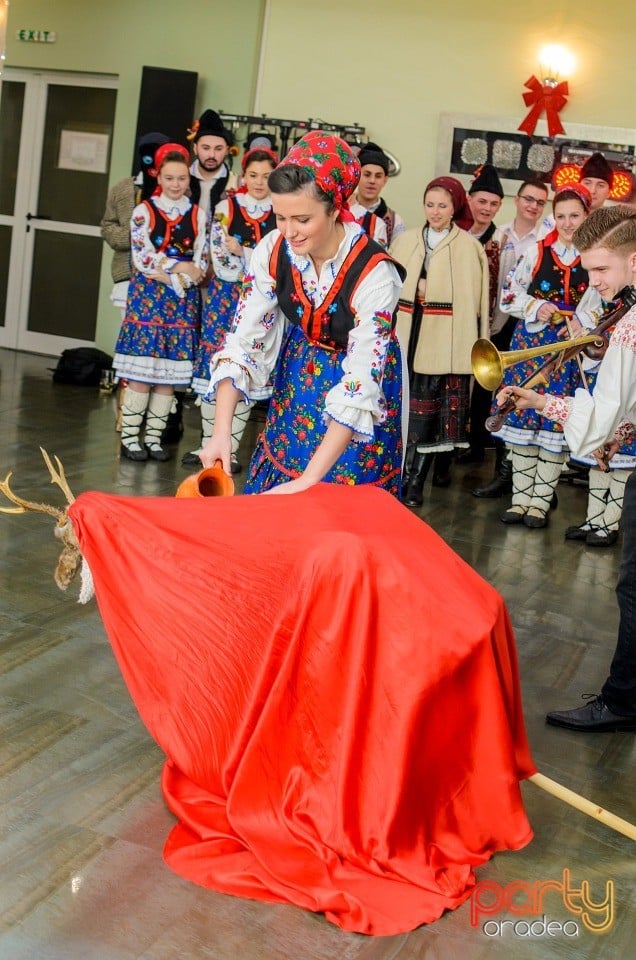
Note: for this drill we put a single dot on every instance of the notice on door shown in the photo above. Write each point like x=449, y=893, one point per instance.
x=83, y=151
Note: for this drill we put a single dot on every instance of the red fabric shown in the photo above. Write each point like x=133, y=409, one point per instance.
x=335, y=689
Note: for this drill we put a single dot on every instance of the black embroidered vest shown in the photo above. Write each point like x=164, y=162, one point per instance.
x=329, y=324
x=554, y=281
x=245, y=229
x=175, y=238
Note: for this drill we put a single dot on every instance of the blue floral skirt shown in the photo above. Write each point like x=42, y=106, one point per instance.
x=294, y=426
x=527, y=427
x=217, y=315
x=158, y=338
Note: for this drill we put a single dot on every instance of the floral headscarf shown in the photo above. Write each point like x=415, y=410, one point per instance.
x=332, y=164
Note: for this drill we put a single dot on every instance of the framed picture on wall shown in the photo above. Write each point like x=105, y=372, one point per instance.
x=467, y=140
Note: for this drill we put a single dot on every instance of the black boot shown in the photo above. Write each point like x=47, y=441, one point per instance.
x=441, y=470
x=414, y=479
x=502, y=481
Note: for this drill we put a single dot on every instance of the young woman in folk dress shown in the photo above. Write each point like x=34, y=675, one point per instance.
x=318, y=303
x=240, y=222
x=157, y=340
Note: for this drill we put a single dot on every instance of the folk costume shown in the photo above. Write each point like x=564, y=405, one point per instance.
x=551, y=272
x=331, y=338
x=206, y=192
x=486, y=180
x=158, y=337
x=440, y=329
x=371, y=222
x=606, y=490
x=248, y=220
x=371, y=218
x=589, y=422
x=122, y=199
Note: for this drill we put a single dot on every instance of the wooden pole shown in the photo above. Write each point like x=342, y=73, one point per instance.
x=584, y=805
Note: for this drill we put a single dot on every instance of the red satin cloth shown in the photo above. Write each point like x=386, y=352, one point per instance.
x=335, y=689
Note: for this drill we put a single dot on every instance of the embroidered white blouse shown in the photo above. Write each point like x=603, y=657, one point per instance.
x=251, y=348
x=514, y=298
x=231, y=266
x=147, y=258
x=589, y=421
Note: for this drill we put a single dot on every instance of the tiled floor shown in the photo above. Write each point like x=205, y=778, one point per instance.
x=83, y=821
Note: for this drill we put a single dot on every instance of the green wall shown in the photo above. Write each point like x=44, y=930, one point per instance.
x=219, y=39
x=394, y=67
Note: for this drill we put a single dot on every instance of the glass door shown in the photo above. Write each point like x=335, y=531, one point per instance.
x=11, y=112
x=67, y=125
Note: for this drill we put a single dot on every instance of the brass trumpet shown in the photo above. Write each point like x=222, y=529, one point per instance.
x=488, y=363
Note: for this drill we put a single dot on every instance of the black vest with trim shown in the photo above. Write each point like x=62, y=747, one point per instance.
x=175, y=238
x=330, y=323
x=552, y=280
x=216, y=193
x=248, y=230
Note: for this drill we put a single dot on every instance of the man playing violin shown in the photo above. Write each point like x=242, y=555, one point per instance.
x=599, y=424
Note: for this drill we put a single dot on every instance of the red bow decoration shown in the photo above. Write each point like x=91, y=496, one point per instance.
x=545, y=95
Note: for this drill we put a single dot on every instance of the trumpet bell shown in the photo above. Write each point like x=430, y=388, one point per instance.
x=488, y=364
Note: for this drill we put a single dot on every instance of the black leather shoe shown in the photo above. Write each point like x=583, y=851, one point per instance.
x=158, y=453
x=536, y=523
x=191, y=460
x=595, y=539
x=594, y=717
x=577, y=533
x=137, y=455
x=500, y=485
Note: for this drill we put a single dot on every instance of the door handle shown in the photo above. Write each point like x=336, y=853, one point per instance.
x=38, y=216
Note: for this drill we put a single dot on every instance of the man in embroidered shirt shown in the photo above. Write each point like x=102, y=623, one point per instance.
x=599, y=423
x=367, y=206
x=211, y=177
x=485, y=197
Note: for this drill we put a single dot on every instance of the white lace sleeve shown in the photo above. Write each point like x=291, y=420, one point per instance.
x=252, y=346
x=357, y=401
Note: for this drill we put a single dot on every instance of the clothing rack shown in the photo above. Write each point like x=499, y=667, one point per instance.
x=287, y=129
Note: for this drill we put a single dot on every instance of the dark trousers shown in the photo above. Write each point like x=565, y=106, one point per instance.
x=481, y=400
x=619, y=691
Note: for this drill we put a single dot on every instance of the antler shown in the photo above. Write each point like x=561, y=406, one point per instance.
x=58, y=476
x=25, y=505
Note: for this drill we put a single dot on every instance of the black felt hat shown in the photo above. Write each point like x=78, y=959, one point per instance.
x=372, y=153
x=210, y=124
x=486, y=179
x=597, y=166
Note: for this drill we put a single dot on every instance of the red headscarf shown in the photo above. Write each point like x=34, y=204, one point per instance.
x=582, y=193
x=166, y=148
x=247, y=156
x=332, y=164
x=461, y=211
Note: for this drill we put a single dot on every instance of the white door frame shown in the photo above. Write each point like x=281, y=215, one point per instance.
x=15, y=334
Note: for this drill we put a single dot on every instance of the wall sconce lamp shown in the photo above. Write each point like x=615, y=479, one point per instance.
x=550, y=93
